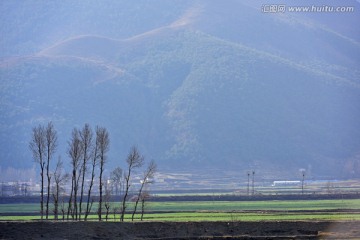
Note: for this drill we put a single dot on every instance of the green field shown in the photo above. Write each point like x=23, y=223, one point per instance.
x=254, y=205
x=221, y=210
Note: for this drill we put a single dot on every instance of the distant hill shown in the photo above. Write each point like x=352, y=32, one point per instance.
x=195, y=84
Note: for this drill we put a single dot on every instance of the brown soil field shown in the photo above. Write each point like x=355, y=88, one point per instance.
x=179, y=230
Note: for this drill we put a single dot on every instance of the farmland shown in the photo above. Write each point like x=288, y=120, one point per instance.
x=346, y=209
x=289, y=219
x=274, y=211
x=183, y=230
x=339, y=201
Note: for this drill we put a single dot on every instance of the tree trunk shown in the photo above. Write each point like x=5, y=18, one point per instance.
x=70, y=198
x=42, y=194
x=100, y=192
x=56, y=205
x=86, y=139
x=125, y=196
x=89, y=193
x=82, y=191
x=137, y=201
x=48, y=190
x=76, y=189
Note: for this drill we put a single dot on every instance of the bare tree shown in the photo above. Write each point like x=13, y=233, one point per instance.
x=50, y=147
x=116, y=177
x=146, y=179
x=94, y=163
x=86, y=143
x=37, y=147
x=134, y=161
x=59, y=178
x=103, y=142
x=75, y=152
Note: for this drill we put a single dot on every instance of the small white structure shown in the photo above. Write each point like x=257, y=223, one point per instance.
x=286, y=183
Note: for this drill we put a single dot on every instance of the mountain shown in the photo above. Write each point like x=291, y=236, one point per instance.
x=195, y=84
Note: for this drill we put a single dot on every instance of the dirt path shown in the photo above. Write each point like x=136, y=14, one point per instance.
x=183, y=230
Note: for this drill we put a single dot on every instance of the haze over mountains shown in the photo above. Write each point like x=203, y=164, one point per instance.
x=195, y=84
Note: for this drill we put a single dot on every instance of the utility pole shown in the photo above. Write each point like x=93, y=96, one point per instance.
x=302, y=182
x=253, y=175
x=248, y=183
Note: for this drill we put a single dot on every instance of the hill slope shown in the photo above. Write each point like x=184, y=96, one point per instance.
x=214, y=86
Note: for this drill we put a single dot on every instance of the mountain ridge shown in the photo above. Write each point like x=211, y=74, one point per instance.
x=202, y=89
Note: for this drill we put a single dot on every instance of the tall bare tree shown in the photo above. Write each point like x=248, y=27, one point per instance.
x=134, y=160
x=50, y=148
x=59, y=179
x=116, y=177
x=146, y=179
x=75, y=152
x=94, y=163
x=37, y=147
x=86, y=143
x=103, y=142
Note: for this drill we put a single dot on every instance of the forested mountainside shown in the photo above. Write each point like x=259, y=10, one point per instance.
x=194, y=84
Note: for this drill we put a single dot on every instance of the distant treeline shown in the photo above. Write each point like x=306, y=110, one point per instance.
x=35, y=199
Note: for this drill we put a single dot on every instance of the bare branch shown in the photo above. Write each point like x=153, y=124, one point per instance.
x=134, y=160
x=75, y=152
x=116, y=177
x=51, y=140
x=37, y=148
x=103, y=142
x=86, y=136
x=147, y=178
x=37, y=144
x=59, y=178
x=50, y=145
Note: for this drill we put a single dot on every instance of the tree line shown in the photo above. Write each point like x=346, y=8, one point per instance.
x=87, y=153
